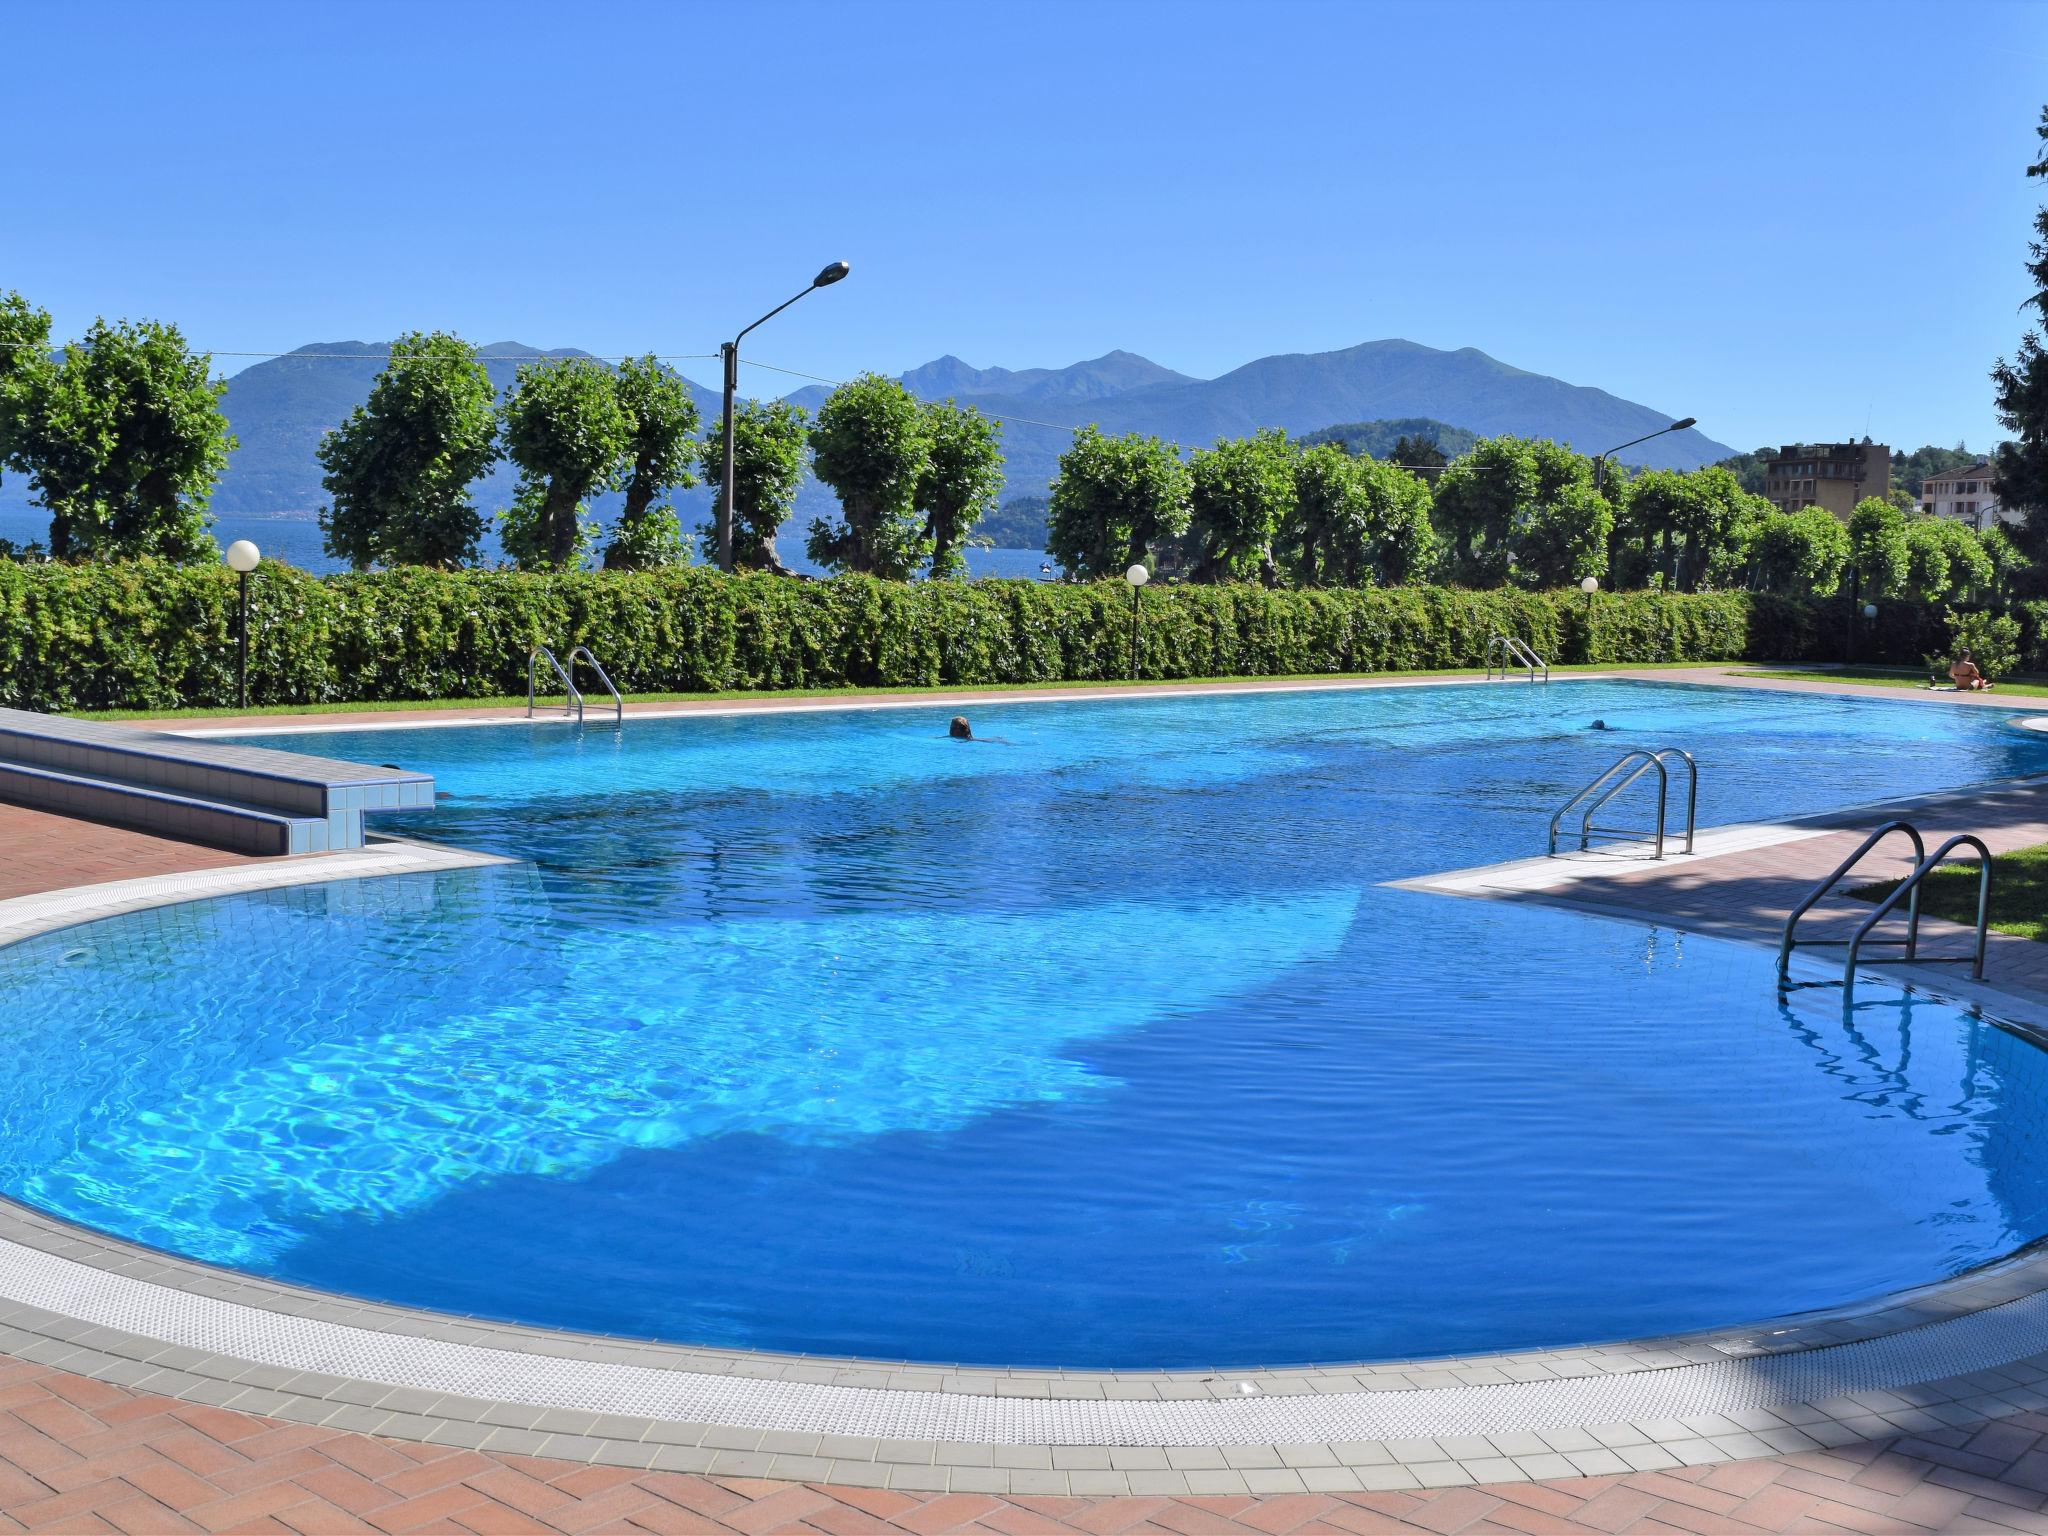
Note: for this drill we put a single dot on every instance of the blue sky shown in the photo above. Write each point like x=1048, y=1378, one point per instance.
x=1790, y=220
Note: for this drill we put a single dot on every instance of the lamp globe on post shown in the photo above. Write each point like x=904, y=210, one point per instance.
x=242, y=557
x=1137, y=576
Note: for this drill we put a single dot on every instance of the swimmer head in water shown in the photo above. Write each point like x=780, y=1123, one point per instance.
x=960, y=730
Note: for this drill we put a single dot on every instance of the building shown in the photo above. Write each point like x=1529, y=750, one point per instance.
x=1965, y=494
x=1831, y=475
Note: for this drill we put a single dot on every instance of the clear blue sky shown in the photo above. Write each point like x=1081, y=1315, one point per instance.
x=1788, y=219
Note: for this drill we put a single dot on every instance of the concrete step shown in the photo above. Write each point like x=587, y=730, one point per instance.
x=291, y=787
x=216, y=823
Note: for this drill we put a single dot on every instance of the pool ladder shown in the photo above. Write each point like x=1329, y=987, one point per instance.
x=1504, y=653
x=1908, y=889
x=572, y=705
x=1623, y=772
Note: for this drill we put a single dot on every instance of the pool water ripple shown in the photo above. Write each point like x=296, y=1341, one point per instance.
x=1100, y=1045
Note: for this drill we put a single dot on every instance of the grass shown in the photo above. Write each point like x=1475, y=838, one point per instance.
x=2026, y=685
x=2019, y=892
x=518, y=701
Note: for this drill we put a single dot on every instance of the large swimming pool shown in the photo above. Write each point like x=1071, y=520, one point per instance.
x=1099, y=1044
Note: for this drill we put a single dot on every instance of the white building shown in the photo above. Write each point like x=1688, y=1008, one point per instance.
x=1965, y=494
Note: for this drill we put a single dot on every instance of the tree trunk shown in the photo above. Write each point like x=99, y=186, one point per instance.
x=558, y=523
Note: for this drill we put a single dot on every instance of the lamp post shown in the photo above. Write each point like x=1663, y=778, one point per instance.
x=242, y=557
x=1589, y=585
x=1600, y=459
x=730, y=351
x=1137, y=576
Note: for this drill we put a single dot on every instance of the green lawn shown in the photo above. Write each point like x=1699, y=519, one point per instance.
x=742, y=695
x=2025, y=685
x=2019, y=892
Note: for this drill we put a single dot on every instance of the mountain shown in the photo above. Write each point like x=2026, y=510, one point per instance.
x=280, y=408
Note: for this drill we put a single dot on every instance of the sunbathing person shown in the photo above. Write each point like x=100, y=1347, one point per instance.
x=1966, y=677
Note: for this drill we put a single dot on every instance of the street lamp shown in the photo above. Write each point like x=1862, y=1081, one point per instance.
x=242, y=557
x=731, y=352
x=1137, y=576
x=1600, y=459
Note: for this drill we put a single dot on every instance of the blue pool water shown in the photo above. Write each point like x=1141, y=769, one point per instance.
x=1099, y=1045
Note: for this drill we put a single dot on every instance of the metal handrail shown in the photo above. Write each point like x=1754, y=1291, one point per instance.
x=573, y=705
x=1645, y=761
x=1512, y=651
x=1615, y=780
x=618, y=704
x=1911, y=884
x=1912, y=939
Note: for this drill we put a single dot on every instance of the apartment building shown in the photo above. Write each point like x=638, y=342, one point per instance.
x=1965, y=494
x=1831, y=475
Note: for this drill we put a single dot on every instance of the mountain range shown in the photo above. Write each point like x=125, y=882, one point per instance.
x=280, y=408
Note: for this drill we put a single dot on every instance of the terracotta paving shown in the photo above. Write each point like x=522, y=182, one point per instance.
x=41, y=851
x=79, y=1455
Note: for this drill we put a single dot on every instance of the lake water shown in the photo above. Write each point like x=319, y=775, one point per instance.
x=296, y=541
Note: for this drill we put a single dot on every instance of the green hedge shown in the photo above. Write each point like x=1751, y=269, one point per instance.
x=148, y=635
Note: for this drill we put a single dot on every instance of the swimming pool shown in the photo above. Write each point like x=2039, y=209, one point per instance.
x=1102, y=1044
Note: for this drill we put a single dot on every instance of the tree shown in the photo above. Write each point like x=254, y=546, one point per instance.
x=568, y=433
x=1241, y=491
x=1799, y=554
x=1561, y=534
x=1478, y=502
x=399, y=469
x=1878, y=553
x=661, y=453
x=1421, y=456
x=962, y=479
x=767, y=468
x=121, y=438
x=2009, y=563
x=869, y=445
x=1113, y=500
x=1680, y=526
x=2020, y=467
x=1945, y=562
x=1355, y=522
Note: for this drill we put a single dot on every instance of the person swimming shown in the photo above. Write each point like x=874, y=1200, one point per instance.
x=1599, y=725
x=959, y=730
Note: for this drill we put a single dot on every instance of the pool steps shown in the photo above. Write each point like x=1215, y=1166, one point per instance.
x=252, y=800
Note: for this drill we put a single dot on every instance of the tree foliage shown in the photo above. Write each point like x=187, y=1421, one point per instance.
x=1945, y=561
x=1798, y=554
x=661, y=455
x=1680, y=527
x=869, y=445
x=963, y=476
x=399, y=469
x=1479, y=500
x=767, y=468
x=568, y=432
x=1878, y=552
x=2020, y=466
x=1113, y=502
x=1241, y=490
x=1355, y=522
x=121, y=438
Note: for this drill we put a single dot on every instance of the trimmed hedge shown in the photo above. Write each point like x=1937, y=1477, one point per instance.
x=148, y=635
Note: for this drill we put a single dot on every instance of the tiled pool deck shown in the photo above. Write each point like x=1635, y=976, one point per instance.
x=142, y=1394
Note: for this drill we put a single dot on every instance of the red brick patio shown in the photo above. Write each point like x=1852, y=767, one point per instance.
x=78, y=1455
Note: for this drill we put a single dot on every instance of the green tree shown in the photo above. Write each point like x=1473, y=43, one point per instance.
x=1241, y=492
x=1479, y=501
x=1680, y=526
x=568, y=433
x=1113, y=502
x=2020, y=466
x=1799, y=554
x=25, y=366
x=767, y=468
x=1878, y=553
x=1418, y=454
x=661, y=453
x=1355, y=522
x=1561, y=534
x=1945, y=562
x=399, y=469
x=2009, y=563
x=963, y=477
x=122, y=438
x=870, y=446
